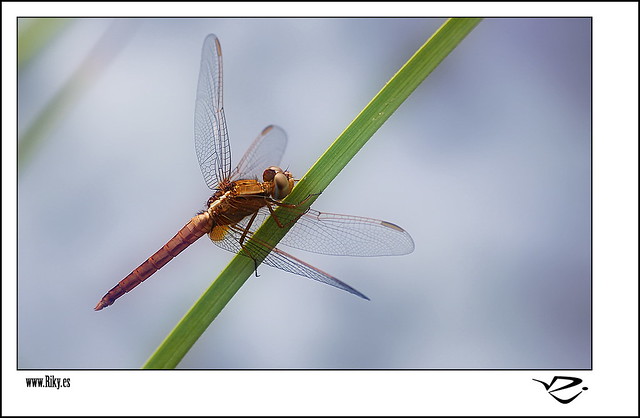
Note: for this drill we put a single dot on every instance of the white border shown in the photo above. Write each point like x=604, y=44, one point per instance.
x=613, y=384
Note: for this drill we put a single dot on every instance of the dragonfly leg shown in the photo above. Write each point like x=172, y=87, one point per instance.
x=246, y=229
x=291, y=205
x=275, y=218
x=309, y=196
x=243, y=248
x=270, y=202
x=273, y=215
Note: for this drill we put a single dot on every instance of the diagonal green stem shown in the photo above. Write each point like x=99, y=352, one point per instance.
x=401, y=85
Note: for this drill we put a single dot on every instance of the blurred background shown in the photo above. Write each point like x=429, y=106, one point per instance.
x=487, y=165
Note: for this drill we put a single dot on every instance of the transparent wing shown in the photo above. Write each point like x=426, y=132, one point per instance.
x=324, y=233
x=211, y=137
x=279, y=259
x=266, y=150
x=335, y=234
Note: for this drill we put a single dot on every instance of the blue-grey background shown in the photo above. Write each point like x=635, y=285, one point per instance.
x=487, y=165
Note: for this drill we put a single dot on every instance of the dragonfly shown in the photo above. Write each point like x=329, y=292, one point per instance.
x=246, y=196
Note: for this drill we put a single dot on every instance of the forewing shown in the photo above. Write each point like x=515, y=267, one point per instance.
x=266, y=150
x=336, y=234
x=211, y=137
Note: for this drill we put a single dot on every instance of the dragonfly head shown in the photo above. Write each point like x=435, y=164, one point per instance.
x=282, y=181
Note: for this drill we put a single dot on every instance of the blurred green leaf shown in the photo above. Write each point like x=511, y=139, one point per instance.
x=103, y=52
x=35, y=34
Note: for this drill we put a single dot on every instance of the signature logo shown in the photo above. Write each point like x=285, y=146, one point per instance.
x=573, y=381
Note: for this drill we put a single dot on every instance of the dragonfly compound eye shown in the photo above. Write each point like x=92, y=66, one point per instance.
x=282, y=186
x=270, y=173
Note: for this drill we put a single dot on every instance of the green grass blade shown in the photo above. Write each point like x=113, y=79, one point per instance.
x=204, y=311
